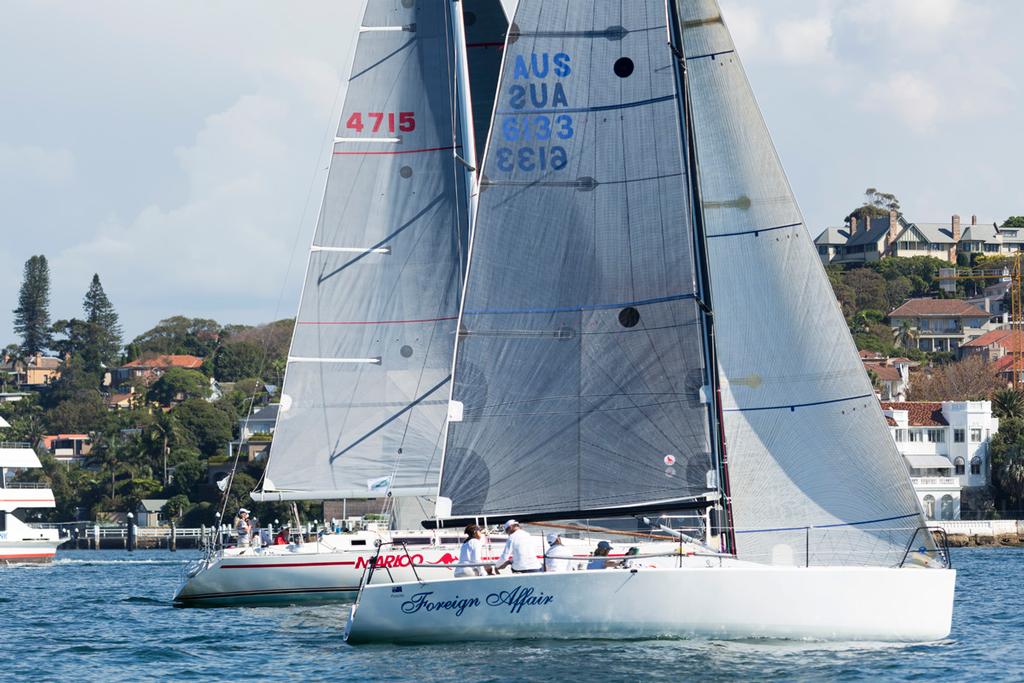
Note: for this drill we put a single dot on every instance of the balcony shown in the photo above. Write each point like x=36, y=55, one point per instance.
x=921, y=483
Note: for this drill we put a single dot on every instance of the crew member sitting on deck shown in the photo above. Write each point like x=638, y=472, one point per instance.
x=282, y=537
x=471, y=553
x=558, y=558
x=519, y=551
x=603, y=548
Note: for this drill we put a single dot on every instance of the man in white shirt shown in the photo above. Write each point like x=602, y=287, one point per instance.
x=519, y=551
x=558, y=558
x=471, y=553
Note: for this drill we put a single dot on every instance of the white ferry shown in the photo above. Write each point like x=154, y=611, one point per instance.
x=21, y=542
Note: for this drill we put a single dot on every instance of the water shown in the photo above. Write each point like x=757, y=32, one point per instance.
x=107, y=616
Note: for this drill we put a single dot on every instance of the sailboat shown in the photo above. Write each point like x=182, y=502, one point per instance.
x=364, y=399
x=646, y=327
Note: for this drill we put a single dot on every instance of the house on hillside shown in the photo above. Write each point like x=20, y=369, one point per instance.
x=871, y=240
x=149, y=513
x=150, y=368
x=893, y=377
x=36, y=372
x=946, y=448
x=941, y=324
x=68, y=448
x=994, y=345
x=255, y=434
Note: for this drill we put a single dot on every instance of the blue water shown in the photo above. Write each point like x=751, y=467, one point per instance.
x=107, y=616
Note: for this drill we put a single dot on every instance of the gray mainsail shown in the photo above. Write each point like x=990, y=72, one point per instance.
x=815, y=475
x=365, y=393
x=579, y=362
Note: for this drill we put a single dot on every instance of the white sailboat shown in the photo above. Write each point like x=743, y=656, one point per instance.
x=21, y=542
x=646, y=326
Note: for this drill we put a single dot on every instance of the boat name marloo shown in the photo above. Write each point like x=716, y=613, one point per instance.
x=516, y=599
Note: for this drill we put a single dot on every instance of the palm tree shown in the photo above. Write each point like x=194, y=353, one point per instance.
x=905, y=335
x=1008, y=403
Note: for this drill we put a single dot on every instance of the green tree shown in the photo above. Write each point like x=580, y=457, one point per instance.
x=195, y=336
x=179, y=384
x=32, y=316
x=103, y=341
x=876, y=204
x=176, y=506
x=75, y=337
x=207, y=426
x=238, y=360
x=1014, y=222
x=1008, y=403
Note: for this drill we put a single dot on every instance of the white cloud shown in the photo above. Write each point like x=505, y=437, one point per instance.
x=31, y=163
x=907, y=96
x=804, y=41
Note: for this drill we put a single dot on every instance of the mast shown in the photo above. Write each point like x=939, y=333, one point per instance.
x=690, y=163
x=462, y=105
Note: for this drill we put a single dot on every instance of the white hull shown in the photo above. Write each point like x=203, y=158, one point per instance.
x=30, y=551
x=735, y=601
x=328, y=571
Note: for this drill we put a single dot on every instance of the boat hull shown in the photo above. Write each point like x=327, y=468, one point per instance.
x=29, y=551
x=721, y=602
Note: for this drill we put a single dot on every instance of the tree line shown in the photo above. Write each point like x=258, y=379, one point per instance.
x=175, y=429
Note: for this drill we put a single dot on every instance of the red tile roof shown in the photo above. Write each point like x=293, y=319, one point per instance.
x=886, y=373
x=919, y=413
x=1007, y=339
x=1004, y=364
x=941, y=307
x=167, y=361
x=50, y=438
x=870, y=355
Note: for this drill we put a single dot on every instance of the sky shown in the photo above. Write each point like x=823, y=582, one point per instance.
x=179, y=149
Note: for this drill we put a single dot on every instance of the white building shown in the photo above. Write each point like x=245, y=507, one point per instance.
x=946, y=448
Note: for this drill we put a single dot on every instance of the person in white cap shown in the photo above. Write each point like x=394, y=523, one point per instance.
x=519, y=551
x=558, y=558
x=243, y=527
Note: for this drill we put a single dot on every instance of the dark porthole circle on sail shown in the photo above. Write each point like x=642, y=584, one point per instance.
x=405, y=171
x=629, y=317
x=406, y=351
x=623, y=67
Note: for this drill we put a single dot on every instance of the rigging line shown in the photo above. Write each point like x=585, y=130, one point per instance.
x=595, y=108
x=829, y=526
x=399, y=151
x=756, y=231
x=375, y=322
x=387, y=238
x=794, y=406
x=383, y=59
x=391, y=419
x=584, y=307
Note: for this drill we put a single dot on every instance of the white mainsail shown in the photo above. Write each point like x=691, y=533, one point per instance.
x=811, y=462
x=364, y=400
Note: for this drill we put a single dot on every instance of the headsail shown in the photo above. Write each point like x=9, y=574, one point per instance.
x=812, y=464
x=579, y=364
x=365, y=393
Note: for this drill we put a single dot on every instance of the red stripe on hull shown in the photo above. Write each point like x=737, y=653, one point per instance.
x=295, y=564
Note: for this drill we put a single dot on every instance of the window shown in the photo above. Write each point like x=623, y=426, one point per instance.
x=916, y=435
x=946, y=507
x=958, y=466
x=975, y=465
x=936, y=436
x=900, y=435
x=929, y=506
x=975, y=436
x=958, y=436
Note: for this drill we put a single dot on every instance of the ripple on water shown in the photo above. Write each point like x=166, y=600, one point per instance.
x=106, y=615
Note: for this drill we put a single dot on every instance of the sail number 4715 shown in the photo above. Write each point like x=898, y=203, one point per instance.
x=376, y=121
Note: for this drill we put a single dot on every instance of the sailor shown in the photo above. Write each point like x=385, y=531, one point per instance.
x=471, y=553
x=243, y=528
x=603, y=548
x=558, y=558
x=519, y=551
